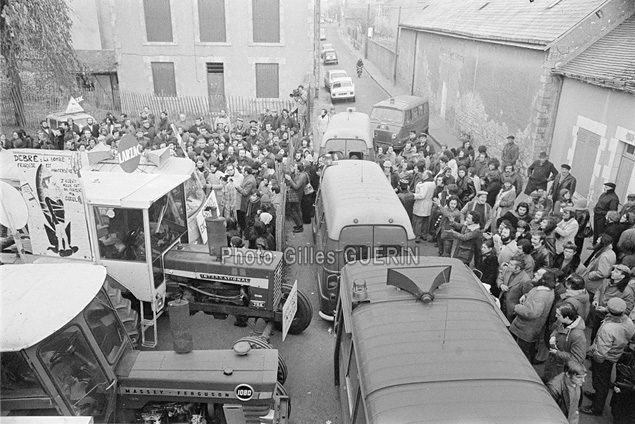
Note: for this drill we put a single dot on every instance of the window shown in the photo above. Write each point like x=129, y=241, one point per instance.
x=158, y=21
x=211, y=21
x=81, y=381
x=105, y=326
x=388, y=115
x=267, y=80
x=266, y=15
x=167, y=221
x=163, y=78
x=120, y=233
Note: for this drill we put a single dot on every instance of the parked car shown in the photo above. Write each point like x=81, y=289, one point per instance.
x=322, y=34
x=325, y=47
x=330, y=57
x=331, y=76
x=343, y=89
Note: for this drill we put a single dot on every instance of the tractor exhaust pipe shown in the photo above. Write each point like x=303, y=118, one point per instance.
x=216, y=236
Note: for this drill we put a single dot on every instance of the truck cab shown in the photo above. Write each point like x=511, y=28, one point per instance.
x=65, y=352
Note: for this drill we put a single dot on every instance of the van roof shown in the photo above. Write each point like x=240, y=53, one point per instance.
x=401, y=102
x=456, y=350
x=358, y=190
x=39, y=299
x=349, y=125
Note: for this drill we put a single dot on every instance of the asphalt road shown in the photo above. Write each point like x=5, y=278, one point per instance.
x=367, y=92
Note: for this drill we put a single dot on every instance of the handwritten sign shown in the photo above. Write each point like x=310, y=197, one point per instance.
x=51, y=186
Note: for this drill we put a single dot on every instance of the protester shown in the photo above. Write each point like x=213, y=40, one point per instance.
x=613, y=336
x=565, y=389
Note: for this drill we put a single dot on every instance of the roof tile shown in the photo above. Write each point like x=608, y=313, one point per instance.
x=536, y=23
x=609, y=62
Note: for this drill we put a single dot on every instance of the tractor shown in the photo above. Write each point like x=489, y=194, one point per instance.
x=65, y=351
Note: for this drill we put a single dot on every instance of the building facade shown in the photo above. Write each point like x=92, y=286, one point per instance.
x=595, y=124
x=248, y=48
x=487, y=67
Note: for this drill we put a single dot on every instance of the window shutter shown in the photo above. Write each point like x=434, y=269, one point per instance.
x=158, y=20
x=266, y=16
x=211, y=15
x=267, y=80
x=163, y=78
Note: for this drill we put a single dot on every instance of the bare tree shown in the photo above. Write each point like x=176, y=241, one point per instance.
x=35, y=35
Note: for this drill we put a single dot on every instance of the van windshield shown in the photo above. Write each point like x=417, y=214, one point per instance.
x=387, y=115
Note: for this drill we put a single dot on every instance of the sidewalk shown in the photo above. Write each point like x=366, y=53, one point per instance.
x=439, y=130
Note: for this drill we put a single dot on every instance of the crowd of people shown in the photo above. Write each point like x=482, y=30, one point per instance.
x=525, y=239
x=243, y=163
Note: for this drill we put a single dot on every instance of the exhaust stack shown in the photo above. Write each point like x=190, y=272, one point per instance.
x=216, y=235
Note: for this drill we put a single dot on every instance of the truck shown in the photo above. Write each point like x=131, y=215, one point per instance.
x=71, y=356
x=135, y=224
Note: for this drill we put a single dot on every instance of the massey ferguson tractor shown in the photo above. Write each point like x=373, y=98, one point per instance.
x=64, y=351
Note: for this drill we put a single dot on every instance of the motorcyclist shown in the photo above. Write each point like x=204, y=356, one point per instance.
x=360, y=67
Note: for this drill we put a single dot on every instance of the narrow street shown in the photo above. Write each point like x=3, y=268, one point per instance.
x=367, y=91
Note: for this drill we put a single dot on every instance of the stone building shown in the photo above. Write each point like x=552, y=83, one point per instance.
x=595, y=122
x=487, y=65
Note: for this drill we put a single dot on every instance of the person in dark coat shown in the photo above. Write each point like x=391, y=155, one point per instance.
x=583, y=217
x=566, y=389
x=563, y=180
x=540, y=173
x=623, y=399
x=608, y=201
x=488, y=267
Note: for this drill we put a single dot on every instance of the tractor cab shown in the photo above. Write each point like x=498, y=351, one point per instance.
x=61, y=341
x=65, y=351
x=135, y=219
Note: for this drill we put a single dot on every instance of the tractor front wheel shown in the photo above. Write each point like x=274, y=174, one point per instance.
x=258, y=343
x=304, y=313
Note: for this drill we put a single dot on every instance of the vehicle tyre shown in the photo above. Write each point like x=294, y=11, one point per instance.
x=128, y=316
x=304, y=313
x=259, y=343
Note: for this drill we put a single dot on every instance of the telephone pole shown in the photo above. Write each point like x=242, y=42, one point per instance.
x=367, y=30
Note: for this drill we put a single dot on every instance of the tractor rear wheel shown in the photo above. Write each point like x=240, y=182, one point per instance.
x=304, y=313
x=128, y=316
x=258, y=343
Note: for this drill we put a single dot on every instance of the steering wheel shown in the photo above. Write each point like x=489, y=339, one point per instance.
x=129, y=252
x=69, y=349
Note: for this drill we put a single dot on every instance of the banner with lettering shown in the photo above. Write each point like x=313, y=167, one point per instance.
x=50, y=184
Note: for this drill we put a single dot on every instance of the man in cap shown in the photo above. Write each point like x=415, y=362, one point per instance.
x=391, y=175
x=608, y=201
x=566, y=229
x=617, y=285
x=511, y=152
x=480, y=205
x=563, y=180
x=540, y=173
x=614, y=334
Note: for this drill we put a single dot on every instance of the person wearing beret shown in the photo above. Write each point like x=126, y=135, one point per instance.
x=540, y=173
x=608, y=201
x=563, y=180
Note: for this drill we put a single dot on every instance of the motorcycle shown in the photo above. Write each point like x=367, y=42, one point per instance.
x=359, y=71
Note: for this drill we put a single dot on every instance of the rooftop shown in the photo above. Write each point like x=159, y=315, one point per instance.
x=609, y=62
x=531, y=24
